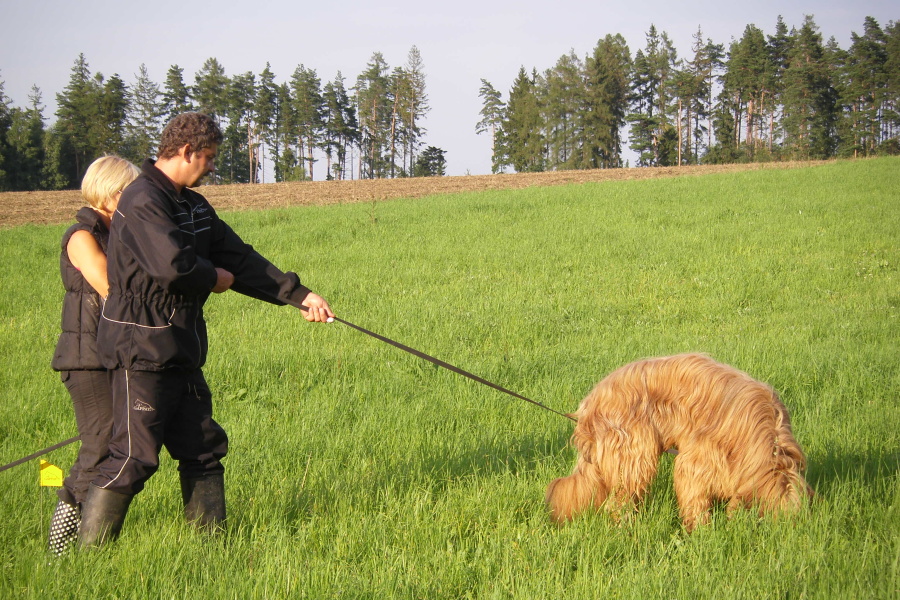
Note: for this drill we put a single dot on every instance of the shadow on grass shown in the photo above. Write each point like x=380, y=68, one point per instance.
x=379, y=487
x=871, y=469
x=441, y=475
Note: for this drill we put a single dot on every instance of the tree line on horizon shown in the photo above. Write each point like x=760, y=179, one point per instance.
x=377, y=121
x=785, y=96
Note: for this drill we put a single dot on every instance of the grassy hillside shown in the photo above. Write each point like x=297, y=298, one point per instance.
x=356, y=470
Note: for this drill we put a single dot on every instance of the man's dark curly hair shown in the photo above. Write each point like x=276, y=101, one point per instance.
x=197, y=129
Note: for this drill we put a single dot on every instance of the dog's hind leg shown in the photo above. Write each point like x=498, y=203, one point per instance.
x=630, y=462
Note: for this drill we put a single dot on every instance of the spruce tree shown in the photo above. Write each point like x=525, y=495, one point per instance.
x=5, y=123
x=113, y=115
x=523, y=125
x=176, y=97
x=144, y=123
x=210, y=90
x=79, y=121
x=431, y=163
x=25, y=144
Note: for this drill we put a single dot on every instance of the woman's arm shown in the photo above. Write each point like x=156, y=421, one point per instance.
x=87, y=256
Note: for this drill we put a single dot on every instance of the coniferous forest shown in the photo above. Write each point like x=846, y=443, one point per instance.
x=782, y=95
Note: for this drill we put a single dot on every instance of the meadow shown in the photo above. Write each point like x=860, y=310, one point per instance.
x=358, y=471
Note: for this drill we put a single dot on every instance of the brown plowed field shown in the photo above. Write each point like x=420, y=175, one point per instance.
x=60, y=207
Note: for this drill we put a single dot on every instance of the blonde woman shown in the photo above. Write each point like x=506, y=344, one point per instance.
x=82, y=264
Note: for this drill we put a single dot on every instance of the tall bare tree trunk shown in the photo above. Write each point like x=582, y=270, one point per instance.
x=394, y=137
x=749, y=136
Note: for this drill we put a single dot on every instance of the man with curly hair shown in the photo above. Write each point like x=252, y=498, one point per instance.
x=168, y=250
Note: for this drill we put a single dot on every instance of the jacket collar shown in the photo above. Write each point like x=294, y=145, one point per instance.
x=149, y=170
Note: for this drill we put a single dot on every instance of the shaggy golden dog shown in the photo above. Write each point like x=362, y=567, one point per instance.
x=732, y=433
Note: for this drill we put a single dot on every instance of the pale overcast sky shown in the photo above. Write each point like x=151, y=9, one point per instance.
x=460, y=41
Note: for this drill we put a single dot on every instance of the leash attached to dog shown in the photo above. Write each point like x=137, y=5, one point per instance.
x=445, y=365
x=382, y=338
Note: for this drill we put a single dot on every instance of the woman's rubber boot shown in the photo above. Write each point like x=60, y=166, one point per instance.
x=102, y=515
x=63, y=528
x=204, y=501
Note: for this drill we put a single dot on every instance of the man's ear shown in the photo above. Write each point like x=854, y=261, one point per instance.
x=186, y=152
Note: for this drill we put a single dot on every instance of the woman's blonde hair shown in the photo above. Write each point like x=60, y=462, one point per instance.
x=107, y=176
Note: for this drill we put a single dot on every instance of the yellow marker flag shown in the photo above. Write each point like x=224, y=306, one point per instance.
x=51, y=475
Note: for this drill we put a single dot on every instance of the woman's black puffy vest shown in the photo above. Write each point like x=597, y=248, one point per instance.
x=76, y=349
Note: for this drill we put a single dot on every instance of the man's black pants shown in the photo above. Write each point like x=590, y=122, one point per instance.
x=151, y=409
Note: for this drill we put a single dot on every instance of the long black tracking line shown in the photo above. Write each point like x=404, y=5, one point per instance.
x=448, y=366
x=16, y=463
x=384, y=339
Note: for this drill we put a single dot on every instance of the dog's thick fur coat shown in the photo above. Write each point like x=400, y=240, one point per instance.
x=732, y=433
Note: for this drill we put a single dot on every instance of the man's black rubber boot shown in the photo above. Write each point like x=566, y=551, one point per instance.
x=102, y=516
x=204, y=501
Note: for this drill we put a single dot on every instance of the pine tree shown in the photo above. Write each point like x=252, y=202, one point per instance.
x=865, y=88
x=750, y=78
x=696, y=95
x=416, y=105
x=286, y=164
x=262, y=123
x=59, y=158
x=340, y=127
x=779, y=48
x=606, y=102
x=891, y=115
x=810, y=99
x=642, y=108
x=373, y=108
x=234, y=163
x=492, y=108
x=399, y=92
x=652, y=135
x=308, y=106
x=564, y=111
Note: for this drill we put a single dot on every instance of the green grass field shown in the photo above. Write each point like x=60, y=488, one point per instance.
x=358, y=471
